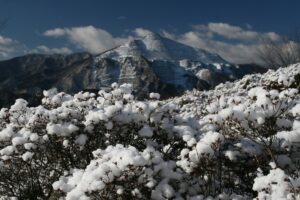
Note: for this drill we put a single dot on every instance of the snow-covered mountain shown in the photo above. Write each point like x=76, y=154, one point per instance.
x=179, y=66
x=155, y=47
x=151, y=64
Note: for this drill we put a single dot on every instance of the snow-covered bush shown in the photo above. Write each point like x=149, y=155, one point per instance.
x=215, y=144
x=276, y=185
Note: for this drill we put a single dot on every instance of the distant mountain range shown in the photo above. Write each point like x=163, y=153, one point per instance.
x=151, y=64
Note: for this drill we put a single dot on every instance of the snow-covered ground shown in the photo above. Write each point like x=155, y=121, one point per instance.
x=238, y=141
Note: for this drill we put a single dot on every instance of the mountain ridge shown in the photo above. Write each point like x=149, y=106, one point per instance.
x=153, y=46
x=151, y=64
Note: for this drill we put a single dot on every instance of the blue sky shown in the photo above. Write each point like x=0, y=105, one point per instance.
x=115, y=21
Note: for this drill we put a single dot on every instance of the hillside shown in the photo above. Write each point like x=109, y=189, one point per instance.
x=237, y=141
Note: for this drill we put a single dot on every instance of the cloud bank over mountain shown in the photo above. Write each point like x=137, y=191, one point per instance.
x=10, y=47
x=88, y=38
x=233, y=43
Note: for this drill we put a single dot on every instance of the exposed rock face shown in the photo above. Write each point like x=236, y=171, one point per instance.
x=179, y=66
x=151, y=64
x=145, y=76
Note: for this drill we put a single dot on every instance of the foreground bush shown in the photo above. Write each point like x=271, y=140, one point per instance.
x=239, y=141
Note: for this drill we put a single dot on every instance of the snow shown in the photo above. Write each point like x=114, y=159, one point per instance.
x=285, y=79
x=61, y=129
x=155, y=47
x=232, y=155
x=81, y=139
x=100, y=171
x=146, y=131
x=26, y=156
x=218, y=66
x=154, y=96
x=296, y=110
x=238, y=140
x=170, y=61
x=120, y=191
x=9, y=150
x=277, y=184
x=18, y=140
x=204, y=74
x=34, y=137
x=6, y=133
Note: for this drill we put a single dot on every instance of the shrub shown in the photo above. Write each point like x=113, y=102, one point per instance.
x=238, y=141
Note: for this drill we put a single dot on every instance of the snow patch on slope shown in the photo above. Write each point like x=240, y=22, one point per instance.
x=155, y=47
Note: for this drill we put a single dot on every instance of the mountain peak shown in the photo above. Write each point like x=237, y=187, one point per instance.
x=153, y=46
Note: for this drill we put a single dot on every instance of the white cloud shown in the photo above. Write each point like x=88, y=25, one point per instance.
x=236, y=53
x=46, y=50
x=10, y=48
x=233, y=43
x=232, y=32
x=89, y=38
x=229, y=31
x=57, y=32
x=141, y=32
x=5, y=41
